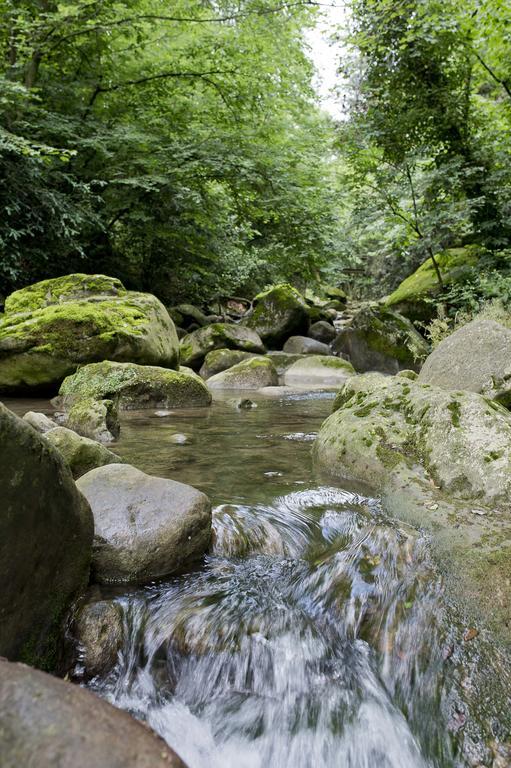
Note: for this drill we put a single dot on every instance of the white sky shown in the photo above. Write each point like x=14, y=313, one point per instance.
x=325, y=56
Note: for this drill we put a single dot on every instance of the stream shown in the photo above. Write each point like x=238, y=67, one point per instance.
x=316, y=633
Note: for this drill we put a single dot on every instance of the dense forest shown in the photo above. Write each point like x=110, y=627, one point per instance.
x=181, y=146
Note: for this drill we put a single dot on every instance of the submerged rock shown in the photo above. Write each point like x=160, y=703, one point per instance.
x=322, y=331
x=95, y=419
x=39, y=421
x=249, y=374
x=380, y=340
x=318, y=371
x=52, y=327
x=195, y=346
x=145, y=527
x=133, y=387
x=45, y=544
x=278, y=313
x=80, y=453
x=221, y=359
x=303, y=345
x=434, y=456
x=477, y=357
x=98, y=631
x=50, y=723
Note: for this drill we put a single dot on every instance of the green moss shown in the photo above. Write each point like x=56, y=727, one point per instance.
x=455, y=409
x=62, y=289
x=389, y=457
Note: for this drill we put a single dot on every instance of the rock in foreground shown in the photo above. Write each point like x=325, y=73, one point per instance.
x=145, y=527
x=49, y=723
x=45, y=543
x=477, y=357
x=51, y=328
x=133, y=387
x=249, y=374
x=80, y=453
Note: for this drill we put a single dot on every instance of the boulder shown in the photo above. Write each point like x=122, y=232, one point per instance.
x=99, y=633
x=50, y=723
x=221, y=359
x=191, y=314
x=415, y=296
x=278, y=313
x=303, y=345
x=318, y=371
x=133, y=387
x=380, y=340
x=331, y=292
x=440, y=460
x=95, y=419
x=477, y=357
x=39, y=421
x=52, y=327
x=249, y=374
x=195, y=346
x=145, y=527
x=283, y=360
x=45, y=543
x=322, y=331
x=80, y=453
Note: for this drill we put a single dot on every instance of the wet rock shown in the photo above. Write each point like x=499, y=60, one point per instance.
x=95, y=419
x=133, y=386
x=322, y=331
x=52, y=327
x=249, y=374
x=50, y=723
x=380, y=340
x=145, y=527
x=179, y=439
x=278, y=313
x=80, y=453
x=318, y=372
x=283, y=360
x=45, y=543
x=245, y=404
x=477, y=357
x=221, y=359
x=98, y=631
x=39, y=421
x=195, y=346
x=303, y=345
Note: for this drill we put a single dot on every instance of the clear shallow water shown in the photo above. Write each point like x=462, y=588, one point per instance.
x=315, y=634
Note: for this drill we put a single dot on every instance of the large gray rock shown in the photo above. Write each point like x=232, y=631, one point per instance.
x=45, y=543
x=441, y=460
x=381, y=340
x=80, y=453
x=52, y=327
x=283, y=360
x=49, y=723
x=303, y=345
x=39, y=421
x=314, y=371
x=95, y=419
x=195, y=346
x=221, y=359
x=145, y=527
x=477, y=357
x=322, y=331
x=133, y=387
x=249, y=374
x=278, y=313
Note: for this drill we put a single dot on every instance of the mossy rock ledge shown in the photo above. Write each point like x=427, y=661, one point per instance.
x=278, y=313
x=254, y=373
x=133, y=387
x=52, y=327
x=440, y=460
x=196, y=345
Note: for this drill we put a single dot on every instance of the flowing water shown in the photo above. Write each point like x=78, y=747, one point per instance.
x=316, y=633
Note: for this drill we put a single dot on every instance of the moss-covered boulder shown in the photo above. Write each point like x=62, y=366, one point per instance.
x=415, y=296
x=381, y=340
x=283, y=360
x=95, y=419
x=195, y=346
x=190, y=314
x=318, y=371
x=323, y=331
x=249, y=374
x=145, y=527
x=52, y=327
x=477, y=357
x=221, y=359
x=440, y=460
x=46, y=533
x=278, y=313
x=80, y=453
x=133, y=387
